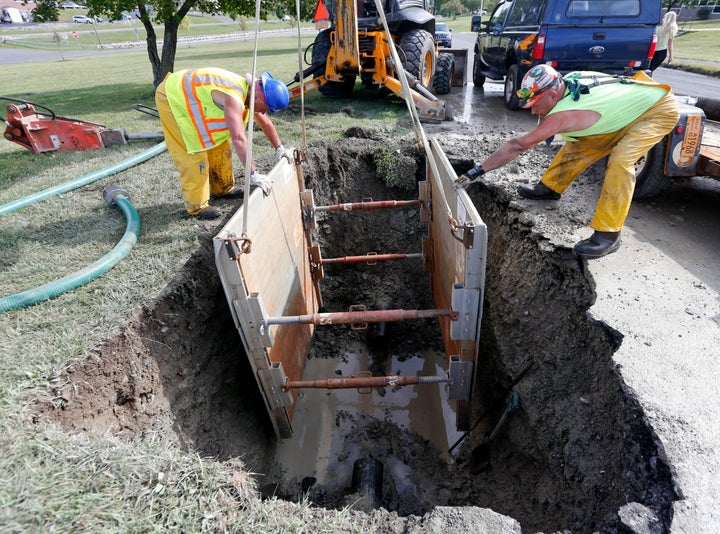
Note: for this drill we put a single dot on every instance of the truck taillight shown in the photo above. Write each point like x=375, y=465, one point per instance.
x=539, y=48
x=653, y=45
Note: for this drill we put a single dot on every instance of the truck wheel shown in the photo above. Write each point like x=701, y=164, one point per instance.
x=650, y=177
x=419, y=48
x=478, y=77
x=320, y=51
x=512, y=82
x=444, y=73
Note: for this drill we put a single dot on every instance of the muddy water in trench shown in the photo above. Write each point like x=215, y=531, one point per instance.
x=324, y=419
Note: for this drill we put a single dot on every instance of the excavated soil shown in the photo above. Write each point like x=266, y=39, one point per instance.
x=578, y=455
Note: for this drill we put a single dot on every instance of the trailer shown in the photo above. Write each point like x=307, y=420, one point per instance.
x=692, y=148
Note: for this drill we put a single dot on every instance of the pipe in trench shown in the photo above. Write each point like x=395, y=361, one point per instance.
x=367, y=482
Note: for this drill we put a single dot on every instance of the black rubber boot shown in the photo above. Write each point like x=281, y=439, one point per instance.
x=539, y=191
x=237, y=191
x=208, y=213
x=598, y=245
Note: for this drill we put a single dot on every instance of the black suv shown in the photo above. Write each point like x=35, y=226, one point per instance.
x=612, y=36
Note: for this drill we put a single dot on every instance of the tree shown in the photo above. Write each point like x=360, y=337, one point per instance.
x=451, y=8
x=170, y=14
x=46, y=11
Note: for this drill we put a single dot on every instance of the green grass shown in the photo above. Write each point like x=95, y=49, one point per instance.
x=53, y=481
x=61, y=34
x=695, y=47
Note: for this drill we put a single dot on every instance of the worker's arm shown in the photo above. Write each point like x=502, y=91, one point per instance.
x=564, y=121
x=268, y=128
x=234, y=119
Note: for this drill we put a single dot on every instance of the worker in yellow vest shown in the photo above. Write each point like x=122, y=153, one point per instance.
x=203, y=112
x=598, y=115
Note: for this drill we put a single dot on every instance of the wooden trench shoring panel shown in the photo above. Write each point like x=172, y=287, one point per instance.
x=456, y=254
x=275, y=279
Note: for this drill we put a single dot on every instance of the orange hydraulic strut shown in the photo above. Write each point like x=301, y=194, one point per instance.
x=368, y=316
x=371, y=258
x=369, y=205
x=364, y=382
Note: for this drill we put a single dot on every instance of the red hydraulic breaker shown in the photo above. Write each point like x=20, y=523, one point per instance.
x=42, y=132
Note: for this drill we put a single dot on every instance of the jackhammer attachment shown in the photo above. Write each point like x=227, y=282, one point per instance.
x=42, y=132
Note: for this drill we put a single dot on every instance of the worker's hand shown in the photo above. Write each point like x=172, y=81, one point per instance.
x=282, y=152
x=262, y=181
x=466, y=180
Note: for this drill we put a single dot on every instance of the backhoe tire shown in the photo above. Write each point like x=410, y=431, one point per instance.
x=478, y=77
x=650, y=177
x=418, y=47
x=320, y=51
x=444, y=74
x=512, y=83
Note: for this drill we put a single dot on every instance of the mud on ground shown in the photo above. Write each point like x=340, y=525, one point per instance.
x=577, y=456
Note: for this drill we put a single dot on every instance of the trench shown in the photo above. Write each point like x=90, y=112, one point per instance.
x=577, y=450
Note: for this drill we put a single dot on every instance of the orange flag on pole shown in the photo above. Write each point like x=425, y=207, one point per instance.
x=321, y=12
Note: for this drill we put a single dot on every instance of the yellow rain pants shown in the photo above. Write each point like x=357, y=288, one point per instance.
x=202, y=173
x=625, y=147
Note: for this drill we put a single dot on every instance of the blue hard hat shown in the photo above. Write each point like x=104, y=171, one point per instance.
x=277, y=96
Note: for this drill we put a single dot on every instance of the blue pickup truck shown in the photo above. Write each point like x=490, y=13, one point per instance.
x=612, y=36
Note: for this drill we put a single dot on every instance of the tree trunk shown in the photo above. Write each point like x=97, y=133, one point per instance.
x=162, y=63
x=167, y=64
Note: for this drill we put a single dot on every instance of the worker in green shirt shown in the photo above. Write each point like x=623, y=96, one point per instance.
x=598, y=115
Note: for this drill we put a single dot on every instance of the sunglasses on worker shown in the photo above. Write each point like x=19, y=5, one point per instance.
x=524, y=93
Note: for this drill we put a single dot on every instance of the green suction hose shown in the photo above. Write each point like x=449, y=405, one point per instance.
x=113, y=195
x=82, y=180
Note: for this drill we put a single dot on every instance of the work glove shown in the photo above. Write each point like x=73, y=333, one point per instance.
x=469, y=178
x=262, y=181
x=282, y=152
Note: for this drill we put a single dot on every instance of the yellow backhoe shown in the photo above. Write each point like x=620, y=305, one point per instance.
x=357, y=44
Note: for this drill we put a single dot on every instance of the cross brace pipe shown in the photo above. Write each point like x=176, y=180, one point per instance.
x=364, y=382
x=369, y=205
x=371, y=258
x=368, y=316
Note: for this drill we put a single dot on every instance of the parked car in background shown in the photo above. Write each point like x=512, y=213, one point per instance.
x=443, y=37
x=610, y=36
x=123, y=18
x=82, y=19
x=70, y=5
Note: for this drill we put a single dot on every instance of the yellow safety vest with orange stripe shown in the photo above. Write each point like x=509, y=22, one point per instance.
x=201, y=121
